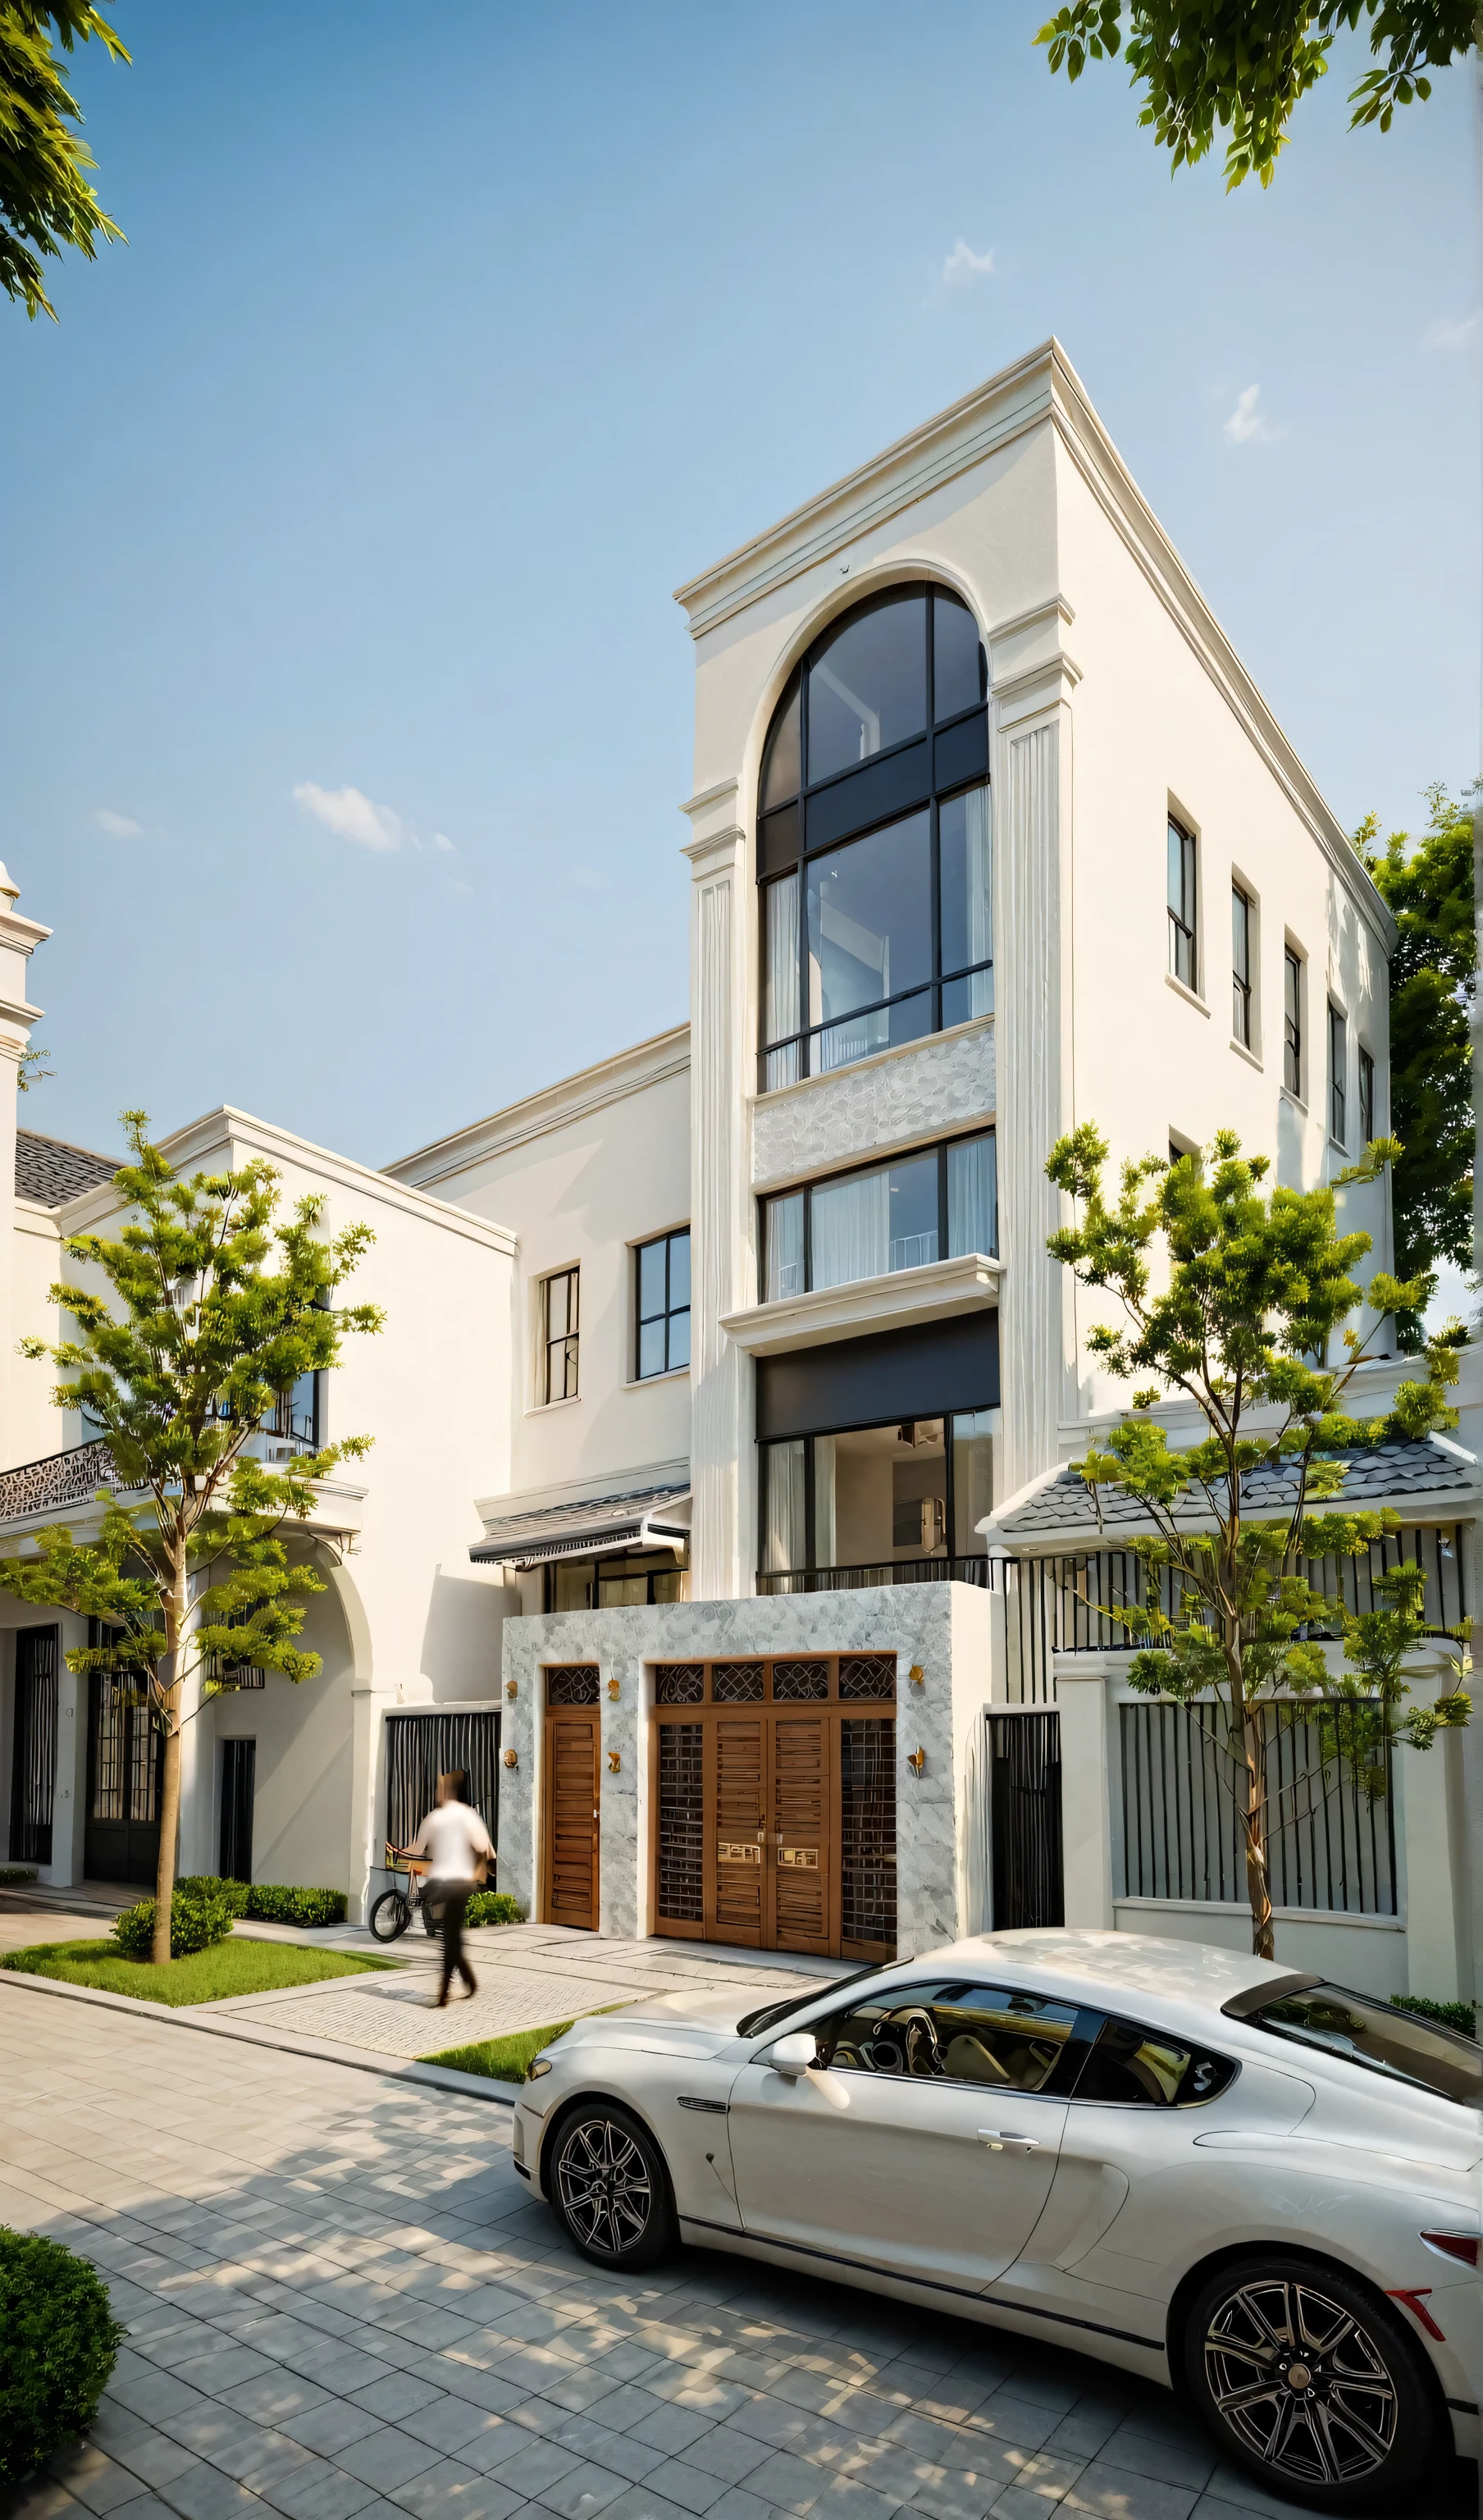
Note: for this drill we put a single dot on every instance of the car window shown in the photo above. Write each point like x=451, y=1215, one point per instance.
x=1132, y=2065
x=1366, y=2032
x=954, y=2029
x=768, y=2016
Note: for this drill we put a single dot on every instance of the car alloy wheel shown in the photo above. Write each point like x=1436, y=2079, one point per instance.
x=610, y=2190
x=1311, y=2385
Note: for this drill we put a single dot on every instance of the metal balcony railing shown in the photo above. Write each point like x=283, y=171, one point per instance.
x=858, y=1579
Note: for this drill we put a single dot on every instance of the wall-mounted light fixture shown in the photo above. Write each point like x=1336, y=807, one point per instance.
x=613, y=1689
x=512, y=1689
x=615, y=1763
x=916, y=1675
x=512, y=1758
x=917, y=1761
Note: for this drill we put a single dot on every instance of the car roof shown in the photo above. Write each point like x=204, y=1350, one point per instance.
x=1100, y=1966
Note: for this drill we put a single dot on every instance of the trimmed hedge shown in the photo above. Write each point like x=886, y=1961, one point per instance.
x=198, y=1916
x=1452, y=2017
x=62, y=2341
x=275, y=1903
x=494, y=1908
x=13, y=1876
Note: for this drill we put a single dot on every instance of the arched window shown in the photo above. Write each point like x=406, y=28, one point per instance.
x=874, y=850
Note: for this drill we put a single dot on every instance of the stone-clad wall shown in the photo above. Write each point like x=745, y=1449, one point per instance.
x=913, y=1620
x=894, y=1099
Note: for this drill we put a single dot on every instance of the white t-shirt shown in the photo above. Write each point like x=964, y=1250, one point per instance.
x=452, y=1837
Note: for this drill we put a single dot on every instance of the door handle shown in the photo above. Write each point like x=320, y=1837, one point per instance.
x=1001, y=2142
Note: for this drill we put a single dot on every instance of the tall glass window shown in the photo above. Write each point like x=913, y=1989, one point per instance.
x=663, y=1292
x=1240, y=966
x=940, y=1204
x=560, y=1309
x=1339, y=1077
x=878, y=1501
x=1292, y=1022
x=1182, y=953
x=875, y=841
x=1367, y=1097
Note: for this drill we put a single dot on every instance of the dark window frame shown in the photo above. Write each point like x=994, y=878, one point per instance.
x=1184, y=915
x=568, y=1341
x=1366, y=1095
x=1240, y=966
x=1292, y=1022
x=615, y=1568
x=667, y=1313
x=852, y=1172
x=945, y=1557
x=928, y=736
x=1339, y=1075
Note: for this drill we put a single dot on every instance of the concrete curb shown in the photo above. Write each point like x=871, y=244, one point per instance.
x=327, y=2051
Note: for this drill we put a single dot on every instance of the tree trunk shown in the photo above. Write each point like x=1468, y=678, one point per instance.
x=1253, y=1819
x=176, y=1615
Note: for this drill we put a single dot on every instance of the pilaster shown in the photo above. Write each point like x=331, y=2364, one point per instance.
x=720, y=1376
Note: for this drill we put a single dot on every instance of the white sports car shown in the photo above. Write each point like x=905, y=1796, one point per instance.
x=1258, y=2189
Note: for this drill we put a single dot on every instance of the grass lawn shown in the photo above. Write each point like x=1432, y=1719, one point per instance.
x=237, y=1966
x=504, y=2060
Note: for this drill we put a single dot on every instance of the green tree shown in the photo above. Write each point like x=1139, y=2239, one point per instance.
x=1228, y=1293
x=1429, y=883
x=45, y=199
x=212, y=1309
x=1244, y=63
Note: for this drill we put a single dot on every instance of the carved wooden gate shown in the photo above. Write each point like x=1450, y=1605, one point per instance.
x=571, y=1797
x=773, y=1797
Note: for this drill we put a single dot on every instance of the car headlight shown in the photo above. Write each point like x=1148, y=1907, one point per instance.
x=537, y=2066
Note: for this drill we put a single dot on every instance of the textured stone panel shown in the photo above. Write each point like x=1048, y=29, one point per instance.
x=941, y=1084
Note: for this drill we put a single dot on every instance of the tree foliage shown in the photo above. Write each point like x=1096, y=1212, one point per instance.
x=1242, y=65
x=45, y=199
x=1429, y=883
x=1228, y=1292
x=214, y=1309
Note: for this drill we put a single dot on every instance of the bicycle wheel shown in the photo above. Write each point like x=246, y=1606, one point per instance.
x=390, y=1916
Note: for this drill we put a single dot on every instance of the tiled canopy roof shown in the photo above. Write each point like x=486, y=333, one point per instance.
x=1374, y=1474
x=48, y=1169
x=575, y=1530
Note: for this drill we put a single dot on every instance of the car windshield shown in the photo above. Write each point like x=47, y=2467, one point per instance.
x=752, y=2024
x=1366, y=2032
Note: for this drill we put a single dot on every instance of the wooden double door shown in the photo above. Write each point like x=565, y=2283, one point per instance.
x=773, y=1812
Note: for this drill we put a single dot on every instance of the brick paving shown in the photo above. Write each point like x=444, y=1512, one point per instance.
x=343, y=2305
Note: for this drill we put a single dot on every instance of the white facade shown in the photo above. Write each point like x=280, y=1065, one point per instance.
x=1113, y=706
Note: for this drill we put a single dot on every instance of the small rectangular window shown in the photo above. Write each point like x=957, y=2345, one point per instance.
x=1339, y=1072
x=1292, y=1022
x=1182, y=953
x=663, y=1284
x=1367, y=1097
x=560, y=1327
x=1240, y=966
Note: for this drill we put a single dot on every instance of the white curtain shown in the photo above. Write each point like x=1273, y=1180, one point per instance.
x=973, y=1203
x=783, y=1515
x=780, y=985
x=851, y=1230
x=824, y=1544
x=973, y=1481
x=784, y=1247
x=981, y=877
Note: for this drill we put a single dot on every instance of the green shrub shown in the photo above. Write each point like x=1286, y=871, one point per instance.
x=60, y=2343
x=17, y=1876
x=494, y=1908
x=235, y=1893
x=276, y=1902
x=1452, y=2017
x=198, y=1916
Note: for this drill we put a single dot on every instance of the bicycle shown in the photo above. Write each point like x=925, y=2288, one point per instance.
x=394, y=1912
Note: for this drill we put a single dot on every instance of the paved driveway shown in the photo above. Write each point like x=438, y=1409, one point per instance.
x=343, y=2301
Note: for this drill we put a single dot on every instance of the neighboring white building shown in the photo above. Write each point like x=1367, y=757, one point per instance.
x=726, y=1385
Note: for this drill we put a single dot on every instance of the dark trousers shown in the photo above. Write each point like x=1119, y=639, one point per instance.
x=448, y=1901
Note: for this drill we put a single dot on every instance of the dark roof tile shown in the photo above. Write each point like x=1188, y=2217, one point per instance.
x=48, y=1169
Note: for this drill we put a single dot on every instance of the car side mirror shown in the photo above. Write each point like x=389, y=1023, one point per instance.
x=795, y=2054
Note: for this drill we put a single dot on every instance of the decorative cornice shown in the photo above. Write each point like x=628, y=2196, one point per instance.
x=1054, y=608
x=939, y=1293
x=573, y=1097
x=1056, y=668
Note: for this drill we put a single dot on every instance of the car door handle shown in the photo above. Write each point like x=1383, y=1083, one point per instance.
x=998, y=2141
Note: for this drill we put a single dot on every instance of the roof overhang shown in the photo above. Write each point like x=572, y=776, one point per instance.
x=652, y=1518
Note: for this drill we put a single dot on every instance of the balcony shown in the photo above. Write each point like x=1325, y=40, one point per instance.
x=60, y=1482
x=895, y=1570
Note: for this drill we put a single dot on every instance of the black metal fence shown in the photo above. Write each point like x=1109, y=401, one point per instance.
x=1025, y=1858
x=1328, y=1844
x=421, y=1748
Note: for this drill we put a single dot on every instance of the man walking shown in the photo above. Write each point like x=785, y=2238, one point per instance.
x=455, y=1852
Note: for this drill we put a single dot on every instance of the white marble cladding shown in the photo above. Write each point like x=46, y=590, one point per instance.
x=915, y=1621
x=896, y=1098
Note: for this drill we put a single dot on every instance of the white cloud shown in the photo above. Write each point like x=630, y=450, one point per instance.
x=118, y=826
x=1444, y=335
x=963, y=266
x=353, y=815
x=444, y=845
x=1246, y=422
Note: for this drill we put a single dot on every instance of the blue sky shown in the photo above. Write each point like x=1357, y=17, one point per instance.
x=446, y=343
